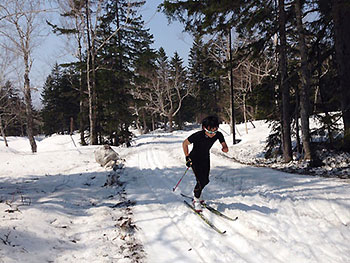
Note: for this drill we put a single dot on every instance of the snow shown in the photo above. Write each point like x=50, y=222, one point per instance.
x=55, y=205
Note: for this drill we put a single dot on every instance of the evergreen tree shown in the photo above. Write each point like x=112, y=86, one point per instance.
x=341, y=19
x=145, y=69
x=12, y=112
x=120, y=57
x=179, y=82
x=205, y=79
x=60, y=98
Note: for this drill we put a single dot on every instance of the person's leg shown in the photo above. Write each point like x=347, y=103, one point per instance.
x=202, y=177
x=197, y=190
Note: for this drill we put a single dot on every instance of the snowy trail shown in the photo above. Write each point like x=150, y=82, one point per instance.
x=54, y=207
x=282, y=217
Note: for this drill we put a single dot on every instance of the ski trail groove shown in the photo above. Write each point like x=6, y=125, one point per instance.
x=153, y=160
x=146, y=164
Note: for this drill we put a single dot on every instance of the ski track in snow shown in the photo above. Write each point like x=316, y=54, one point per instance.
x=282, y=217
x=53, y=207
x=65, y=215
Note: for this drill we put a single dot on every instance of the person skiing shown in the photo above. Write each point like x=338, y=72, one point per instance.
x=199, y=157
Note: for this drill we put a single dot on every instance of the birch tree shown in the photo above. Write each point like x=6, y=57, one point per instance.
x=167, y=89
x=73, y=26
x=20, y=27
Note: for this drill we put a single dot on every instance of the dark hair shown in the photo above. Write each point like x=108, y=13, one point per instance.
x=210, y=121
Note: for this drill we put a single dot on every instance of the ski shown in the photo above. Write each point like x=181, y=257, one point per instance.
x=206, y=220
x=213, y=210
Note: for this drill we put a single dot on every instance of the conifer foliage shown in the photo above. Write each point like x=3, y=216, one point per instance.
x=60, y=101
x=112, y=39
x=308, y=43
x=288, y=61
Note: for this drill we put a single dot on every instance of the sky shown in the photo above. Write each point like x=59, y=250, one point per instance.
x=53, y=48
x=169, y=36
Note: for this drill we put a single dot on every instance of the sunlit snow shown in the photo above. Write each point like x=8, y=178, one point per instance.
x=55, y=206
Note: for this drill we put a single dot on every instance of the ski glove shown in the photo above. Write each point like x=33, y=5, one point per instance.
x=188, y=161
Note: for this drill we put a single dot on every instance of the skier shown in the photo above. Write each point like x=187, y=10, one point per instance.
x=198, y=158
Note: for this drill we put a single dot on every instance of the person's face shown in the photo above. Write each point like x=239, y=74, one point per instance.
x=210, y=132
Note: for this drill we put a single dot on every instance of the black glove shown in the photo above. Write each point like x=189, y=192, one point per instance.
x=188, y=161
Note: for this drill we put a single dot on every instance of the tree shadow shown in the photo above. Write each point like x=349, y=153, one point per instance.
x=57, y=204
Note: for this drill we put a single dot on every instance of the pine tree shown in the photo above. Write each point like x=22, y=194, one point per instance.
x=12, y=111
x=204, y=74
x=178, y=82
x=305, y=89
x=60, y=101
x=341, y=18
x=119, y=56
x=249, y=19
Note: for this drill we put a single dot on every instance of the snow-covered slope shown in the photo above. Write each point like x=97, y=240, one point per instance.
x=54, y=208
x=282, y=217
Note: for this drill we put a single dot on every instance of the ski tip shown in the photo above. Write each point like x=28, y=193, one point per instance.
x=224, y=232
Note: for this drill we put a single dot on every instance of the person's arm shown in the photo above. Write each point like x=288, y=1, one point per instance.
x=224, y=147
x=185, y=147
x=223, y=143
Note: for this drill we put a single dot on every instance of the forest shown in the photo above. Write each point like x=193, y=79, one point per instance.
x=284, y=61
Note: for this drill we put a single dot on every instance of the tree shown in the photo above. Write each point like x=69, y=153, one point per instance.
x=167, y=87
x=145, y=69
x=341, y=19
x=60, y=100
x=118, y=67
x=178, y=89
x=73, y=25
x=305, y=82
x=8, y=108
x=249, y=19
x=111, y=31
x=286, y=118
x=20, y=27
x=212, y=65
x=197, y=78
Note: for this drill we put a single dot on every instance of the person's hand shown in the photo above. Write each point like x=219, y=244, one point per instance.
x=224, y=147
x=188, y=161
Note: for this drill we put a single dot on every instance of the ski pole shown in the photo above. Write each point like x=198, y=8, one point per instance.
x=180, y=179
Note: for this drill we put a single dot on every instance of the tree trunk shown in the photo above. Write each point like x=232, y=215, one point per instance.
x=305, y=87
x=170, y=120
x=245, y=114
x=81, y=98
x=145, y=128
x=153, y=123
x=94, y=96
x=89, y=79
x=341, y=19
x=28, y=103
x=230, y=111
x=286, y=136
x=119, y=35
x=231, y=88
x=71, y=126
x=2, y=130
x=297, y=122
x=324, y=106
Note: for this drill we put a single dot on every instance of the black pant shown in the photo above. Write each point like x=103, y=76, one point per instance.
x=201, y=171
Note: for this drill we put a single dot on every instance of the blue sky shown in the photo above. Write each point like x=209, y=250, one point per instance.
x=169, y=36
